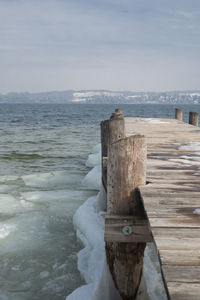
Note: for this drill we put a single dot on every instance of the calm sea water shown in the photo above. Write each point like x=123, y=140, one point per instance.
x=43, y=149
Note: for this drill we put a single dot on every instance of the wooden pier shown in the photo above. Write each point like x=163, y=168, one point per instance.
x=171, y=197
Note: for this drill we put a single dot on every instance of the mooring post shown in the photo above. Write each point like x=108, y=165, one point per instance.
x=178, y=114
x=126, y=228
x=193, y=118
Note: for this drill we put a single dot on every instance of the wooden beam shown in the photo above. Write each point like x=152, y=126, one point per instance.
x=127, y=229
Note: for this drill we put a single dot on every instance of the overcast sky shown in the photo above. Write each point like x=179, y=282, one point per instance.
x=138, y=45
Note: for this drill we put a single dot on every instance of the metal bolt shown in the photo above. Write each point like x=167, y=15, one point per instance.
x=127, y=230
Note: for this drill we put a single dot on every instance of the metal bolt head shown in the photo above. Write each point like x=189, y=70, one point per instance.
x=127, y=230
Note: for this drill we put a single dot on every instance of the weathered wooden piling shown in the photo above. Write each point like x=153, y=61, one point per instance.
x=178, y=114
x=104, y=150
x=193, y=118
x=126, y=225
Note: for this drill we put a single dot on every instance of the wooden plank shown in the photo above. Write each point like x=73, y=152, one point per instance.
x=179, y=234
x=180, y=257
x=188, y=273
x=183, y=291
x=166, y=211
x=174, y=243
x=115, y=227
x=184, y=221
x=170, y=200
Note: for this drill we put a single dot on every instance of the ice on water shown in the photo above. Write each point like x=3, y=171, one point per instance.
x=35, y=224
x=52, y=180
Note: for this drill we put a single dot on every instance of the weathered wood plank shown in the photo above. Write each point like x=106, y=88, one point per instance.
x=179, y=234
x=188, y=273
x=183, y=291
x=182, y=222
x=180, y=257
x=174, y=243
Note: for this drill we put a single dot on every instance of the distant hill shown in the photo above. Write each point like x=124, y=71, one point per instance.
x=104, y=97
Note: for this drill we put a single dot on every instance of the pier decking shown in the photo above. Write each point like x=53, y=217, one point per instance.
x=170, y=198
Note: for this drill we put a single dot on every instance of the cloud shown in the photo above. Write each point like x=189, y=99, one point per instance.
x=63, y=44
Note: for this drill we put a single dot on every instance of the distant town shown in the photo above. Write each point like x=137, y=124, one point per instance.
x=104, y=97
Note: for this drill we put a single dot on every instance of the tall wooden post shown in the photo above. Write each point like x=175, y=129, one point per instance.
x=178, y=114
x=104, y=150
x=125, y=232
x=193, y=118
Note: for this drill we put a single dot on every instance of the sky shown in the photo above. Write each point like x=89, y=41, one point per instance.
x=136, y=45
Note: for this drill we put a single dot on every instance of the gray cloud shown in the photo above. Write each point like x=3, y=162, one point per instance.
x=114, y=44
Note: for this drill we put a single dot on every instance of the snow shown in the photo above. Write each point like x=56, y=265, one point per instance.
x=197, y=211
x=154, y=121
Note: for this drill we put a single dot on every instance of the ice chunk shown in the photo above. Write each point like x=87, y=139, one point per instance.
x=93, y=160
x=44, y=274
x=7, y=188
x=5, y=230
x=152, y=274
x=9, y=204
x=93, y=179
x=83, y=293
x=96, y=149
x=52, y=180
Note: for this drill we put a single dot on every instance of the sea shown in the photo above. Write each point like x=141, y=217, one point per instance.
x=43, y=154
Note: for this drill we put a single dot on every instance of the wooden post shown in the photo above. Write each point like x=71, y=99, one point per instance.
x=178, y=114
x=104, y=150
x=116, y=126
x=193, y=118
x=116, y=123
x=126, y=171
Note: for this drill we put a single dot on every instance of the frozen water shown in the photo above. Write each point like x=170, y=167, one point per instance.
x=52, y=180
x=93, y=160
x=93, y=179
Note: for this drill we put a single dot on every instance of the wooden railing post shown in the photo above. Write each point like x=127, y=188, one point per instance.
x=178, y=114
x=126, y=229
x=193, y=118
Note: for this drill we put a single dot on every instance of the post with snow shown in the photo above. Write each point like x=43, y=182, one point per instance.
x=178, y=114
x=193, y=118
x=126, y=225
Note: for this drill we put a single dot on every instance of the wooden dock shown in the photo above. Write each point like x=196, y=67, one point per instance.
x=170, y=199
